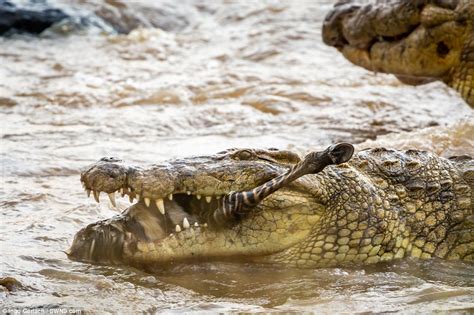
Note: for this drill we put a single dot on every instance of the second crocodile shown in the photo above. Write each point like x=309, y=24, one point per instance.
x=418, y=41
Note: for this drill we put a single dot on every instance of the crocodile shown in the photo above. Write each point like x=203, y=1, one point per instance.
x=330, y=208
x=418, y=41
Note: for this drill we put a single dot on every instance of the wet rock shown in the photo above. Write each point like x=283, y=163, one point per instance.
x=7, y=102
x=113, y=16
x=10, y=284
x=22, y=20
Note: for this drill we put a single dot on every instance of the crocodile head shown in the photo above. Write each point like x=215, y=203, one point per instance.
x=418, y=41
x=270, y=206
x=242, y=203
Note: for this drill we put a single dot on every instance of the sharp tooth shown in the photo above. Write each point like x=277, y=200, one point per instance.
x=208, y=199
x=198, y=197
x=88, y=192
x=196, y=224
x=83, y=184
x=91, y=249
x=218, y=197
x=147, y=201
x=112, y=199
x=96, y=195
x=130, y=198
x=160, y=205
x=170, y=196
x=185, y=223
x=188, y=192
x=205, y=225
x=178, y=228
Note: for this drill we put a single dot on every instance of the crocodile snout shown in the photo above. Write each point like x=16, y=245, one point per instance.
x=96, y=241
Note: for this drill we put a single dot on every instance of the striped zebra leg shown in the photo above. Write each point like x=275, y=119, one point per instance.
x=235, y=204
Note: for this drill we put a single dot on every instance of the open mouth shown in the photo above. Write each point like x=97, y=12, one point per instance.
x=176, y=203
x=182, y=208
x=177, y=211
x=146, y=221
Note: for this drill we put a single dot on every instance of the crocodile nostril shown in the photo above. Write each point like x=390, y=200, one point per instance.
x=110, y=159
x=442, y=49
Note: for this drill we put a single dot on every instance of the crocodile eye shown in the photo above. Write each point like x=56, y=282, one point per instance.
x=244, y=155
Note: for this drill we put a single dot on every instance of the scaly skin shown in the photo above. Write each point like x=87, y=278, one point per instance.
x=379, y=206
x=419, y=41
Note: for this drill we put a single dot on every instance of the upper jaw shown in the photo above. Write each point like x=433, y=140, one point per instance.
x=416, y=41
x=194, y=185
x=193, y=176
x=357, y=25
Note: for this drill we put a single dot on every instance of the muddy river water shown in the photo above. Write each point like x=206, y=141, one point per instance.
x=240, y=74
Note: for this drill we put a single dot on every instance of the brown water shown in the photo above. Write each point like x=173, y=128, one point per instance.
x=242, y=74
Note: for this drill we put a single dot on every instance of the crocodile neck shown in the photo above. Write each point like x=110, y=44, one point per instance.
x=463, y=74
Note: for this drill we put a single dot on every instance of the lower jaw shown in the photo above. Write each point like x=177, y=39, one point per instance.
x=210, y=245
x=414, y=80
x=462, y=75
x=386, y=57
